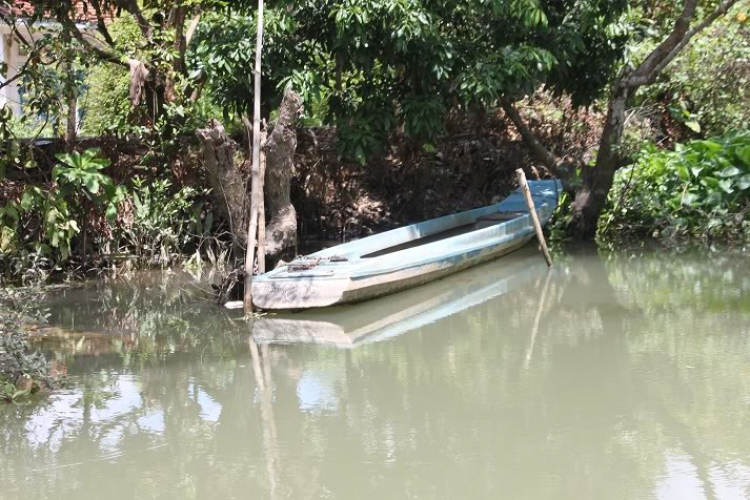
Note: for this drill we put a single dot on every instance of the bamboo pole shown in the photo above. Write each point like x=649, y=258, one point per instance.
x=537, y=320
x=262, y=208
x=534, y=215
x=255, y=182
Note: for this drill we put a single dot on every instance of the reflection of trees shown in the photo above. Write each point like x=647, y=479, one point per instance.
x=581, y=410
x=693, y=355
x=140, y=320
x=622, y=378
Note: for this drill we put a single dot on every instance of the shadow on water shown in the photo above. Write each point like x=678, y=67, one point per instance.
x=612, y=376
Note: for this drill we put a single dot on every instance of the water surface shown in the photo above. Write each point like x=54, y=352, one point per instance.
x=612, y=376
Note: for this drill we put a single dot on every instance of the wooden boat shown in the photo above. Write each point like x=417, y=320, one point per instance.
x=347, y=327
x=403, y=258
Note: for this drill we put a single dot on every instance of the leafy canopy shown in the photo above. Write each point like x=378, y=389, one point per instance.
x=372, y=65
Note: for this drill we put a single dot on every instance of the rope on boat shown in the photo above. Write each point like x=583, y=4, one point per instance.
x=307, y=263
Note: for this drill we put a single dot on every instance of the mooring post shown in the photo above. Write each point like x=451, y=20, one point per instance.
x=262, y=207
x=534, y=216
x=255, y=193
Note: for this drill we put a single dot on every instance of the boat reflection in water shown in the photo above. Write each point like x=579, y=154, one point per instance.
x=347, y=327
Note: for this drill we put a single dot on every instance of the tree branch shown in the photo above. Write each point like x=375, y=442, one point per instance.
x=13, y=26
x=196, y=88
x=681, y=26
x=100, y=52
x=665, y=53
x=191, y=29
x=19, y=74
x=100, y=24
x=537, y=148
x=131, y=6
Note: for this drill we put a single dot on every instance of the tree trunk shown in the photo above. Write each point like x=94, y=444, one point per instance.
x=71, y=132
x=591, y=194
x=281, y=232
x=228, y=183
x=596, y=181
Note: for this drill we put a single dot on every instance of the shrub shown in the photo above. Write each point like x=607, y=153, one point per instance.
x=160, y=222
x=699, y=190
x=38, y=226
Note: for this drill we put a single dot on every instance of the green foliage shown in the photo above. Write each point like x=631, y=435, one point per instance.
x=378, y=65
x=40, y=226
x=52, y=74
x=705, y=89
x=700, y=190
x=163, y=222
x=80, y=172
x=106, y=105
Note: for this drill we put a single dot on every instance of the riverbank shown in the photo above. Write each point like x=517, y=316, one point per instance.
x=160, y=215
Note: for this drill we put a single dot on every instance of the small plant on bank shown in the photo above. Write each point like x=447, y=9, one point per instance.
x=161, y=223
x=40, y=225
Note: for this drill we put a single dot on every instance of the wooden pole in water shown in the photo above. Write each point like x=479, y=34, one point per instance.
x=537, y=319
x=255, y=193
x=262, y=208
x=534, y=215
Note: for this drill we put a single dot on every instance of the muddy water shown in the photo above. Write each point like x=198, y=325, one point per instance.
x=612, y=377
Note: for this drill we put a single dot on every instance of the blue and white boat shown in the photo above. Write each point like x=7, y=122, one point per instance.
x=403, y=258
x=347, y=327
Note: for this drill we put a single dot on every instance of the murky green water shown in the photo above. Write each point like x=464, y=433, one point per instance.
x=609, y=378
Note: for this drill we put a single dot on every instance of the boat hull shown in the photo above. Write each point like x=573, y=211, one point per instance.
x=349, y=327
x=366, y=289
x=365, y=269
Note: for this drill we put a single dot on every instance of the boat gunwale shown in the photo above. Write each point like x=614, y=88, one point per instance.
x=488, y=244
x=351, y=271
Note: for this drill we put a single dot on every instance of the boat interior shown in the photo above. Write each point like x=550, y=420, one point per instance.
x=482, y=222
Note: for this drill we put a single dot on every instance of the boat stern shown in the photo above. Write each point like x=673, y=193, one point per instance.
x=285, y=288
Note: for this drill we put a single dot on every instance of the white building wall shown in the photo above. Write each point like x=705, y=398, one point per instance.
x=9, y=52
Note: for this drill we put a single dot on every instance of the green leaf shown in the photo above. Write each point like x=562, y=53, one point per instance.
x=57, y=172
x=359, y=154
x=21, y=394
x=137, y=202
x=727, y=185
x=92, y=184
x=689, y=199
x=694, y=126
x=712, y=146
x=744, y=155
x=714, y=223
x=12, y=212
x=730, y=172
x=27, y=200
x=52, y=216
x=111, y=213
